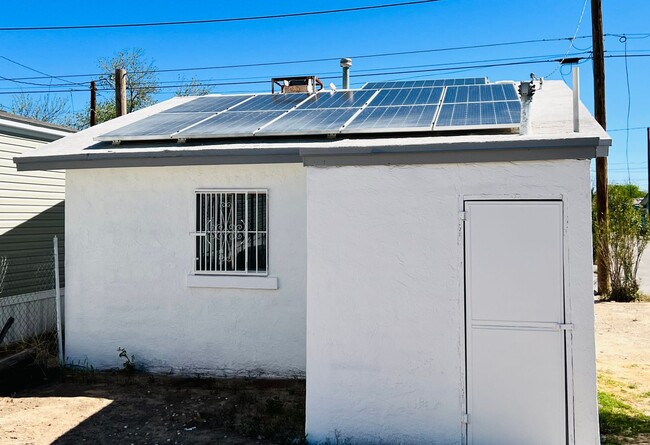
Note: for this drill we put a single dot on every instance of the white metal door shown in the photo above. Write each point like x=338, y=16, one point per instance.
x=515, y=321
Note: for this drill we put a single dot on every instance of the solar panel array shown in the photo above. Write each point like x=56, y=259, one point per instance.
x=379, y=107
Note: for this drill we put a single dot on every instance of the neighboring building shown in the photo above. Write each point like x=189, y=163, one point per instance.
x=435, y=287
x=31, y=207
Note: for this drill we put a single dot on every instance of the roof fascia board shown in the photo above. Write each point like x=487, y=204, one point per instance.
x=394, y=153
x=447, y=157
x=30, y=131
x=80, y=162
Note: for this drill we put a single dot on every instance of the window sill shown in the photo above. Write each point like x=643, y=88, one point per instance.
x=232, y=282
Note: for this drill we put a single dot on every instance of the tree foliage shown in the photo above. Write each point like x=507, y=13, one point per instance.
x=627, y=234
x=46, y=108
x=191, y=87
x=141, y=86
x=141, y=80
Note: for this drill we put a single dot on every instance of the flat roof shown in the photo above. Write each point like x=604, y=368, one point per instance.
x=550, y=136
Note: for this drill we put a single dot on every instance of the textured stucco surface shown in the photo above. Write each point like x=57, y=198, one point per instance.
x=385, y=317
x=129, y=252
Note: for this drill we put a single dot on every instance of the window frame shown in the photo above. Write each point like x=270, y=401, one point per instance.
x=195, y=234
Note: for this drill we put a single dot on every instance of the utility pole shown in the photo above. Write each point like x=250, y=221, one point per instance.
x=602, y=257
x=648, y=194
x=93, y=103
x=120, y=92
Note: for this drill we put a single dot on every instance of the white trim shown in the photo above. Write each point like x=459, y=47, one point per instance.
x=232, y=282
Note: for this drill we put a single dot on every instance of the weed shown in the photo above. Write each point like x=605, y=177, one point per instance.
x=620, y=419
x=82, y=371
x=129, y=362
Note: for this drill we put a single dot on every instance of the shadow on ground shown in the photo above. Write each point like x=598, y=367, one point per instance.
x=167, y=410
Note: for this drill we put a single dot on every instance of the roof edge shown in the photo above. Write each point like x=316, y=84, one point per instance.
x=584, y=148
x=31, y=128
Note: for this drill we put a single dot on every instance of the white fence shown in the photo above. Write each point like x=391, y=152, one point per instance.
x=34, y=314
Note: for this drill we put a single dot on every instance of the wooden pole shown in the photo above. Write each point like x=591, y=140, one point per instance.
x=601, y=162
x=93, y=103
x=120, y=92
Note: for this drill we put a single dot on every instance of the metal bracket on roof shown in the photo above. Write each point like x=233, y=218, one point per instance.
x=181, y=140
x=116, y=142
x=331, y=135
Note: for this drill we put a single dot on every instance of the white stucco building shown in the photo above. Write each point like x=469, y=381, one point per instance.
x=434, y=288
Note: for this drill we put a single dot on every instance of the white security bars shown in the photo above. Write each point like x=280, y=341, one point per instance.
x=231, y=232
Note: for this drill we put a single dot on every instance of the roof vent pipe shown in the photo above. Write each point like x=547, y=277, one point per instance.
x=576, y=99
x=346, y=64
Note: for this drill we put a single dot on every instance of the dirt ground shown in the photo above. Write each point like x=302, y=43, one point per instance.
x=119, y=409
x=116, y=408
x=623, y=347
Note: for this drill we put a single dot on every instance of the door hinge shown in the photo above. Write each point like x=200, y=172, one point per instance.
x=463, y=216
x=565, y=326
x=465, y=418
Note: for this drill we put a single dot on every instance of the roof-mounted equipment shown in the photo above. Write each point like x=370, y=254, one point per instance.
x=297, y=84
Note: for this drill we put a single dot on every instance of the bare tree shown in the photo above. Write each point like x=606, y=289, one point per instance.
x=141, y=80
x=46, y=108
x=141, y=85
x=191, y=87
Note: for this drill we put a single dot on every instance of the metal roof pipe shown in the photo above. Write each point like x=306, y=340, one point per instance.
x=346, y=64
x=576, y=99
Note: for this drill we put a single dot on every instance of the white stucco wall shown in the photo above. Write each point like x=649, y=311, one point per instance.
x=385, y=316
x=129, y=252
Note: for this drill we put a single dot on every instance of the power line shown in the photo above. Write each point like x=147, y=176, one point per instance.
x=575, y=34
x=387, y=73
x=223, y=20
x=325, y=59
x=358, y=73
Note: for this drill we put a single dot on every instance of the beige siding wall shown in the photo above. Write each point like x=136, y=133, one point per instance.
x=31, y=213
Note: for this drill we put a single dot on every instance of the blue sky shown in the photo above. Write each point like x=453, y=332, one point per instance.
x=443, y=24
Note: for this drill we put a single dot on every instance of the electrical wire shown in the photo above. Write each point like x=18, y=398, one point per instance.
x=389, y=73
x=386, y=73
x=223, y=20
x=48, y=76
x=623, y=40
x=582, y=15
x=328, y=75
x=325, y=59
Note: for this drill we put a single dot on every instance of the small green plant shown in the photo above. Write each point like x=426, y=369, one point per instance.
x=618, y=419
x=82, y=371
x=129, y=362
x=625, y=236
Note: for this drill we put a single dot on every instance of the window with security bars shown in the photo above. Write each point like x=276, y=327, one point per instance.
x=231, y=232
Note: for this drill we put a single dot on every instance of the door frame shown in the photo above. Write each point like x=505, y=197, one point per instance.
x=568, y=318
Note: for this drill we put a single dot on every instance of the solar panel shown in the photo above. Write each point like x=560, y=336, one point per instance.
x=482, y=106
x=392, y=119
x=380, y=107
x=337, y=99
x=313, y=121
x=230, y=124
x=209, y=104
x=481, y=93
x=265, y=102
x=399, y=84
x=158, y=126
x=407, y=96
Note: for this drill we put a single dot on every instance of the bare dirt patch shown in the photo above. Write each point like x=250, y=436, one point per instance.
x=623, y=349
x=117, y=409
x=623, y=363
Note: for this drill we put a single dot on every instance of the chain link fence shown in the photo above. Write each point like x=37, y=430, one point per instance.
x=34, y=314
